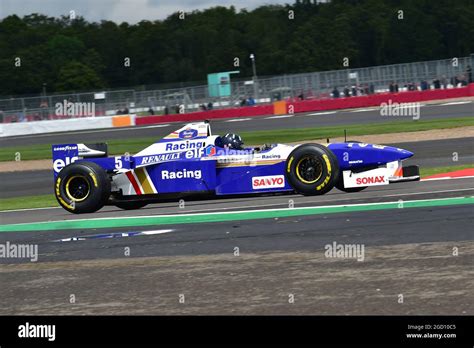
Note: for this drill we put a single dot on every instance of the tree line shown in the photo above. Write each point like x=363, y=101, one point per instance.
x=64, y=54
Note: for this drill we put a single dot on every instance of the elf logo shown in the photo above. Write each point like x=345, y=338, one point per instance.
x=265, y=182
x=61, y=163
x=379, y=179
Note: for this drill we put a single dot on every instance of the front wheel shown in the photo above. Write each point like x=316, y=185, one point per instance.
x=312, y=169
x=82, y=187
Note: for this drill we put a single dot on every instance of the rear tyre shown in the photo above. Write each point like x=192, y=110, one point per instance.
x=312, y=169
x=130, y=205
x=82, y=187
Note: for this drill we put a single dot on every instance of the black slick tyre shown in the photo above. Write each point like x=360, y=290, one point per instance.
x=312, y=169
x=82, y=187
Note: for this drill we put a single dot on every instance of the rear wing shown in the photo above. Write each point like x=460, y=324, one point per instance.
x=64, y=154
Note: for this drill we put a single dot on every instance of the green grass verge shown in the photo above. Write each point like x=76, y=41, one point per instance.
x=44, y=201
x=260, y=137
x=40, y=201
x=438, y=170
x=36, y=152
x=300, y=134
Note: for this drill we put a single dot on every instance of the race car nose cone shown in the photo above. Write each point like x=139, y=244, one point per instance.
x=405, y=154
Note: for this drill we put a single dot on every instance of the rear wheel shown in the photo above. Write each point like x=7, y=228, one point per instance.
x=130, y=205
x=82, y=187
x=312, y=169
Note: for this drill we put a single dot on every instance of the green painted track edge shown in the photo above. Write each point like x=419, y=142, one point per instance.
x=177, y=219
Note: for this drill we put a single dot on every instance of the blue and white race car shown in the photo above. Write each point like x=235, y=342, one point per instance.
x=192, y=161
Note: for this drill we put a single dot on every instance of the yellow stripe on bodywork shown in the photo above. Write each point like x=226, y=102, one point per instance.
x=142, y=177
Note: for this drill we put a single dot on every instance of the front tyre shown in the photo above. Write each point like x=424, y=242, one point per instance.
x=82, y=187
x=312, y=169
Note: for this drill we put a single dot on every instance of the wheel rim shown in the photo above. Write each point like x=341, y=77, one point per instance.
x=77, y=188
x=309, y=169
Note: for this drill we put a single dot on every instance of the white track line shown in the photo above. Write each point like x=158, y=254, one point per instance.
x=94, y=131
x=455, y=103
x=156, y=232
x=123, y=235
x=153, y=126
x=279, y=116
x=238, y=120
x=362, y=110
x=322, y=113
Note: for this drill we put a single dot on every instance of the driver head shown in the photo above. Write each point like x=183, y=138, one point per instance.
x=232, y=141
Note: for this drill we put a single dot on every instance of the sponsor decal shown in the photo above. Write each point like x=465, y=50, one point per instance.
x=181, y=174
x=60, y=164
x=184, y=145
x=188, y=133
x=381, y=147
x=270, y=156
x=211, y=151
x=379, y=179
x=372, y=177
x=265, y=182
x=357, y=144
x=65, y=148
x=357, y=161
x=159, y=158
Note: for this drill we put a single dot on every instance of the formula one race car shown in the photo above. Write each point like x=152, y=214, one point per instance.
x=192, y=161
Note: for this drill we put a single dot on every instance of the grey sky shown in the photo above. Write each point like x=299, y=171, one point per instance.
x=131, y=11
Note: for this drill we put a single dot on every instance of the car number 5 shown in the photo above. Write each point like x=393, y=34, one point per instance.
x=118, y=163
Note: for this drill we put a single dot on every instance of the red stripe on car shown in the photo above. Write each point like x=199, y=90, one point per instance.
x=134, y=183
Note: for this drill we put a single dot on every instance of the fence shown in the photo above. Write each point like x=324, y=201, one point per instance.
x=311, y=85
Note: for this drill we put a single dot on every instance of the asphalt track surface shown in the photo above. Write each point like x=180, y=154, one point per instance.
x=432, y=153
x=430, y=189
x=254, y=266
x=442, y=110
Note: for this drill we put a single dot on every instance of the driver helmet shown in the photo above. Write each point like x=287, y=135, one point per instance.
x=232, y=141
